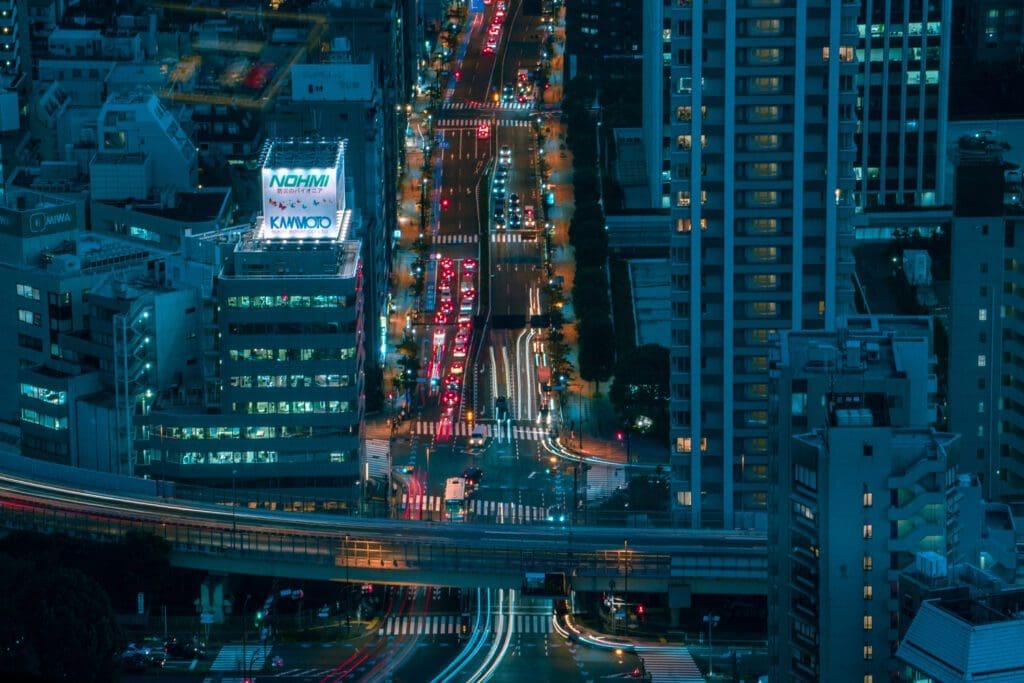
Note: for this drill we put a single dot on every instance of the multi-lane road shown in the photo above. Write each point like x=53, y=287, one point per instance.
x=485, y=184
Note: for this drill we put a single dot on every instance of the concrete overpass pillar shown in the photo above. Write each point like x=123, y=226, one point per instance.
x=211, y=597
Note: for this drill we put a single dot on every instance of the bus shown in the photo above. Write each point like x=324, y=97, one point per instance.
x=455, y=499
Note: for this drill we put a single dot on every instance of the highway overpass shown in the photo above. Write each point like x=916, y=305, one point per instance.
x=342, y=548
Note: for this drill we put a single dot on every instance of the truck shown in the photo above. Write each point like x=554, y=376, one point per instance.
x=455, y=499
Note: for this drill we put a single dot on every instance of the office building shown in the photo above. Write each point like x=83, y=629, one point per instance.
x=761, y=155
x=903, y=53
x=994, y=30
x=970, y=630
x=861, y=482
x=282, y=355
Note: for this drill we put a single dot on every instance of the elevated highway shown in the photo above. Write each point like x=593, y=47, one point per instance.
x=328, y=547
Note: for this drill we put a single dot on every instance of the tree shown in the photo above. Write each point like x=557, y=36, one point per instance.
x=640, y=389
x=56, y=624
x=597, y=352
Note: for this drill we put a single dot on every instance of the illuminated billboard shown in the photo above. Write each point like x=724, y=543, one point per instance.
x=300, y=202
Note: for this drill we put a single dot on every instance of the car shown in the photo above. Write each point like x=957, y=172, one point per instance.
x=499, y=223
x=469, y=264
x=462, y=337
x=514, y=223
x=513, y=199
x=499, y=13
x=473, y=475
x=140, y=657
x=447, y=263
x=483, y=131
x=457, y=368
x=446, y=307
x=460, y=351
x=445, y=288
x=469, y=296
x=450, y=398
x=181, y=648
x=452, y=382
x=465, y=321
x=506, y=152
x=529, y=217
x=492, y=44
x=556, y=514
x=466, y=285
x=494, y=30
x=441, y=318
x=501, y=406
x=488, y=50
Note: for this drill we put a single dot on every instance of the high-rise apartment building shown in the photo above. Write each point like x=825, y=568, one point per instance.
x=861, y=483
x=986, y=339
x=903, y=53
x=761, y=153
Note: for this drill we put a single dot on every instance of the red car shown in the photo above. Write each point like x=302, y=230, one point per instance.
x=450, y=398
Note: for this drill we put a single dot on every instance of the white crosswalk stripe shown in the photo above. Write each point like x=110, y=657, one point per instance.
x=498, y=511
x=455, y=239
x=508, y=237
x=428, y=428
x=232, y=658
x=473, y=123
x=670, y=664
x=513, y=123
x=448, y=624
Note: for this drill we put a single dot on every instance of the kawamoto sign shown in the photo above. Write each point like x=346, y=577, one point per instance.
x=300, y=202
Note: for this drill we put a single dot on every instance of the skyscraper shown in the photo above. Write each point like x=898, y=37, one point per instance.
x=761, y=149
x=903, y=101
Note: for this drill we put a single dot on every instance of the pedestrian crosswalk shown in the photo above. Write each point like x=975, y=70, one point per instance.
x=476, y=509
x=448, y=624
x=510, y=106
x=509, y=237
x=455, y=239
x=428, y=428
x=669, y=664
x=473, y=123
x=239, y=658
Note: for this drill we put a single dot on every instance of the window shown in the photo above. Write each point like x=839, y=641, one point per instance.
x=762, y=281
x=869, y=499
x=683, y=198
x=869, y=591
x=982, y=314
x=683, y=444
x=868, y=622
x=684, y=498
x=764, y=55
x=982, y=360
x=763, y=254
x=765, y=141
x=764, y=113
x=29, y=317
x=765, y=85
x=765, y=27
x=763, y=226
x=869, y=449
x=763, y=198
x=868, y=651
x=868, y=678
x=764, y=309
x=764, y=169
x=868, y=563
x=981, y=406
x=28, y=291
x=684, y=224
x=867, y=531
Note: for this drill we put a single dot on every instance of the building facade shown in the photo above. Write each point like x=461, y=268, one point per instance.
x=762, y=98
x=903, y=52
x=861, y=482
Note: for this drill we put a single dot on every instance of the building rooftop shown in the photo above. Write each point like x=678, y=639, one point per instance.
x=966, y=640
x=303, y=153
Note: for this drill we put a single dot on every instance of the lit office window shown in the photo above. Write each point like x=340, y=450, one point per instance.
x=982, y=314
x=868, y=563
x=867, y=531
x=764, y=142
x=868, y=651
x=869, y=591
x=982, y=360
x=869, y=499
x=868, y=622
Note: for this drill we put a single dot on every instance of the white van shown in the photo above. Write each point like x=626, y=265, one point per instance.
x=478, y=437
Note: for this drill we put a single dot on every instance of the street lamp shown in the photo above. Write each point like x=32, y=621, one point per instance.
x=234, y=504
x=348, y=588
x=711, y=620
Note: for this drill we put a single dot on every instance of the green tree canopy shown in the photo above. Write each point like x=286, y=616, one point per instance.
x=641, y=388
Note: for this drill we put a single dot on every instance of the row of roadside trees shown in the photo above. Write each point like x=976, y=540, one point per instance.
x=587, y=235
